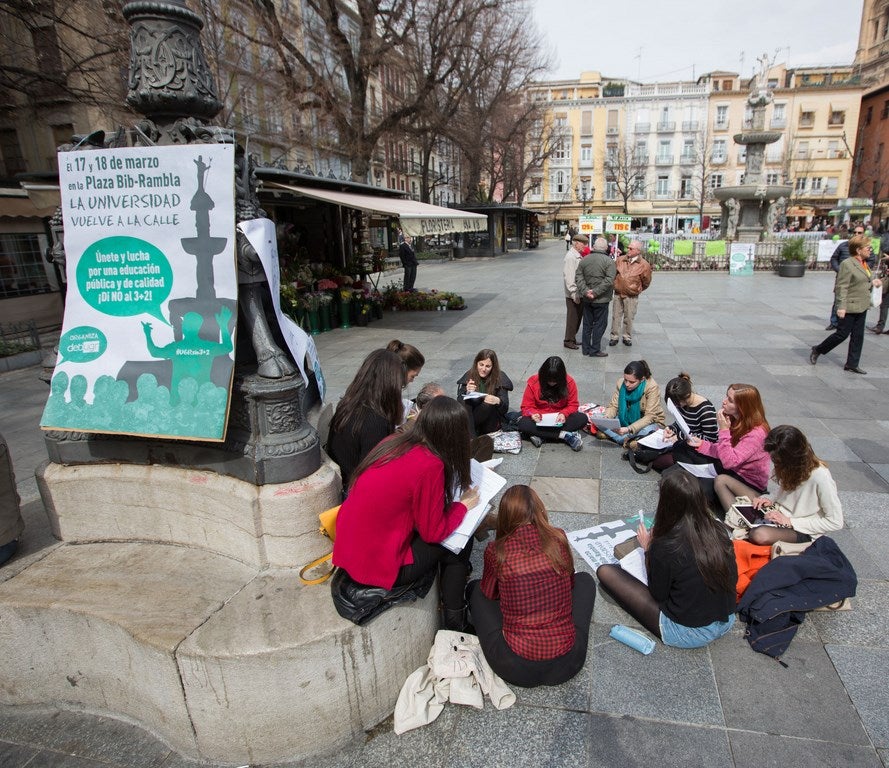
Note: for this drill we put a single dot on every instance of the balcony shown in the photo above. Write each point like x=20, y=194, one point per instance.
x=640, y=159
x=642, y=127
x=778, y=123
x=687, y=158
x=613, y=131
x=720, y=125
x=638, y=194
x=718, y=159
x=666, y=127
x=836, y=154
x=663, y=195
x=663, y=160
x=690, y=125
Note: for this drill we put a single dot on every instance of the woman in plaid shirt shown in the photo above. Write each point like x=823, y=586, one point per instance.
x=531, y=611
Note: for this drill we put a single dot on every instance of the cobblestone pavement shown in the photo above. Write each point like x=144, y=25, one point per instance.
x=719, y=706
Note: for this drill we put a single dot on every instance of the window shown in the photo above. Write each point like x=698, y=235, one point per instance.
x=613, y=117
x=722, y=116
x=586, y=154
x=802, y=150
x=830, y=188
x=685, y=187
x=869, y=115
x=663, y=186
x=771, y=179
x=586, y=123
x=611, y=154
x=716, y=180
x=688, y=150
x=21, y=266
x=817, y=182
x=719, y=151
x=885, y=113
x=834, y=151
x=806, y=119
x=562, y=153
x=640, y=155
x=560, y=183
x=535, y=190
x=800, y=184
x=727, y=85
x=611, y=190
x=665, y=151
x=837, y=117
x=639, y=187
x=13, y=160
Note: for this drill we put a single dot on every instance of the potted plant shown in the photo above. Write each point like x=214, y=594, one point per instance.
x=792, y=261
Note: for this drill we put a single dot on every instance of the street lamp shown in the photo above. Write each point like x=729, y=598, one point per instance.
x=580, y=193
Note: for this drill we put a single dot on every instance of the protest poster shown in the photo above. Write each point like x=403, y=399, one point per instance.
x=148, y=337
x=596, y=544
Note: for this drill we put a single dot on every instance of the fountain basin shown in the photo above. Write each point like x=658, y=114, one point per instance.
x=752, y=192
x=757, y=137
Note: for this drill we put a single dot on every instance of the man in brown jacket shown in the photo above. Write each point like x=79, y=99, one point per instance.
x=633, y=277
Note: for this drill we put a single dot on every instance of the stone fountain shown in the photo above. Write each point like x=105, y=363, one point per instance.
x=753, y=207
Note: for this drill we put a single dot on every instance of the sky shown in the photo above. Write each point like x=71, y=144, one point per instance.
x=658, y=40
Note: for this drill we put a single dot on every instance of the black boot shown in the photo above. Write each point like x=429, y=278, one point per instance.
x=457, y=619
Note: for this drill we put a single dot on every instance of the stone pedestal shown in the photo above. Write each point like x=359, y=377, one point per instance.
x=225, y=663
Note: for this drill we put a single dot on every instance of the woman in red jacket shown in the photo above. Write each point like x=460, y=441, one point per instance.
x=531, y=611
x=552, y=393
x=404, y=500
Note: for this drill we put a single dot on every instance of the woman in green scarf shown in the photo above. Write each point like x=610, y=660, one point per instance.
x=636, y=403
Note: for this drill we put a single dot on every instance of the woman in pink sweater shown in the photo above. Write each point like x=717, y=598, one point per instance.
x=739, y=450
x=406, y=499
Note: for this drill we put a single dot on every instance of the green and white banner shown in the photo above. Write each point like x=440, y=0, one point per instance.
x=148, y=338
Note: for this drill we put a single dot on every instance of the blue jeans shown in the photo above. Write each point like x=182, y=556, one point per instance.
x=622, y=439
x=680, y=636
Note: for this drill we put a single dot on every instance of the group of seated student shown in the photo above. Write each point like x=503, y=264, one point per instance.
x=408, y=487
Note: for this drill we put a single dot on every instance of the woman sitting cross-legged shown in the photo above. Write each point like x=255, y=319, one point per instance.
x=403, y=502
x=485, y=378
x=690, y=597
x=697, y=412
x=552, y=393
x=636, y=403
x=738, y=451
x=806, y=505
x=531, y=611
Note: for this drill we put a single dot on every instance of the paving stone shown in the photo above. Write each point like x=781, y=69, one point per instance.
x=629, y=742
x=857, y=476
x=806, y=699
x=15, y=755
x=669, y=684
x=568, y=494
x=863, y=672
x=866, y=625
x=558, y=460
x=754, y=750
x=864, y=509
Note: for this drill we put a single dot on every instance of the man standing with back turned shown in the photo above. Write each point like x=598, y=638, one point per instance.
x=633, y=277
x=595, y=283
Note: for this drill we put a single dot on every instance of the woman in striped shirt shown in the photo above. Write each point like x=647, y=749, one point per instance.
x=697, y=412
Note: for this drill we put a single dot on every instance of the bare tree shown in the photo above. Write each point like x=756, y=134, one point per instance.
x=626, y=169
x=702, y=170
x=55, y=53
x=335, y=61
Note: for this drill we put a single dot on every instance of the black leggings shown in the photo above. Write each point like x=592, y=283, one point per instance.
x=483, y=417
x=631, y=595
x=453, y=570
x=574, y=422
x=528, y=673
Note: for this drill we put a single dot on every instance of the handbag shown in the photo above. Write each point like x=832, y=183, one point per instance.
x=507, y=442
x=642, y=456
x=876, y=295
x=359, y=603
x=327, y=527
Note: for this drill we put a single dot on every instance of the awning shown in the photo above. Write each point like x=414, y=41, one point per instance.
x=416, y=219
x=23, y=208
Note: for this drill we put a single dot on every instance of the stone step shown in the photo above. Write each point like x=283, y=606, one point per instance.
x=223, y=661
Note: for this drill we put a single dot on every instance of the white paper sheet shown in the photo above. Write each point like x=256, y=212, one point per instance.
x=548, y=420
x=602, y=423
x=634, y=564
x=472, y=395
x=489, y=484
x=680, y=421
x=699, y=470
x=656, y=440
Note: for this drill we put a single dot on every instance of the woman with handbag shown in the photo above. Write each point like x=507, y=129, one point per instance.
x=636, y=403
x=552, y=393
x=738, y=451
x=484, y=391
x=404, y=500
x=370, y=410
x=853, y=298
x=531, y=610
x=806, y=504
x=690, y=598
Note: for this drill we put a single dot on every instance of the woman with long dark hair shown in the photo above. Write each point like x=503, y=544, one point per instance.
x=484, y=391
x=738, y=451
x=370, y=410
x=531, y=611
x=697, y=412
x=552, y=393
x=404, y=500
x=806, y=504
x=411, y=357
x=636, y=403
x=690, y=597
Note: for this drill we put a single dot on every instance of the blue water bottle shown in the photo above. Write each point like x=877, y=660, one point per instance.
x=632, y=638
